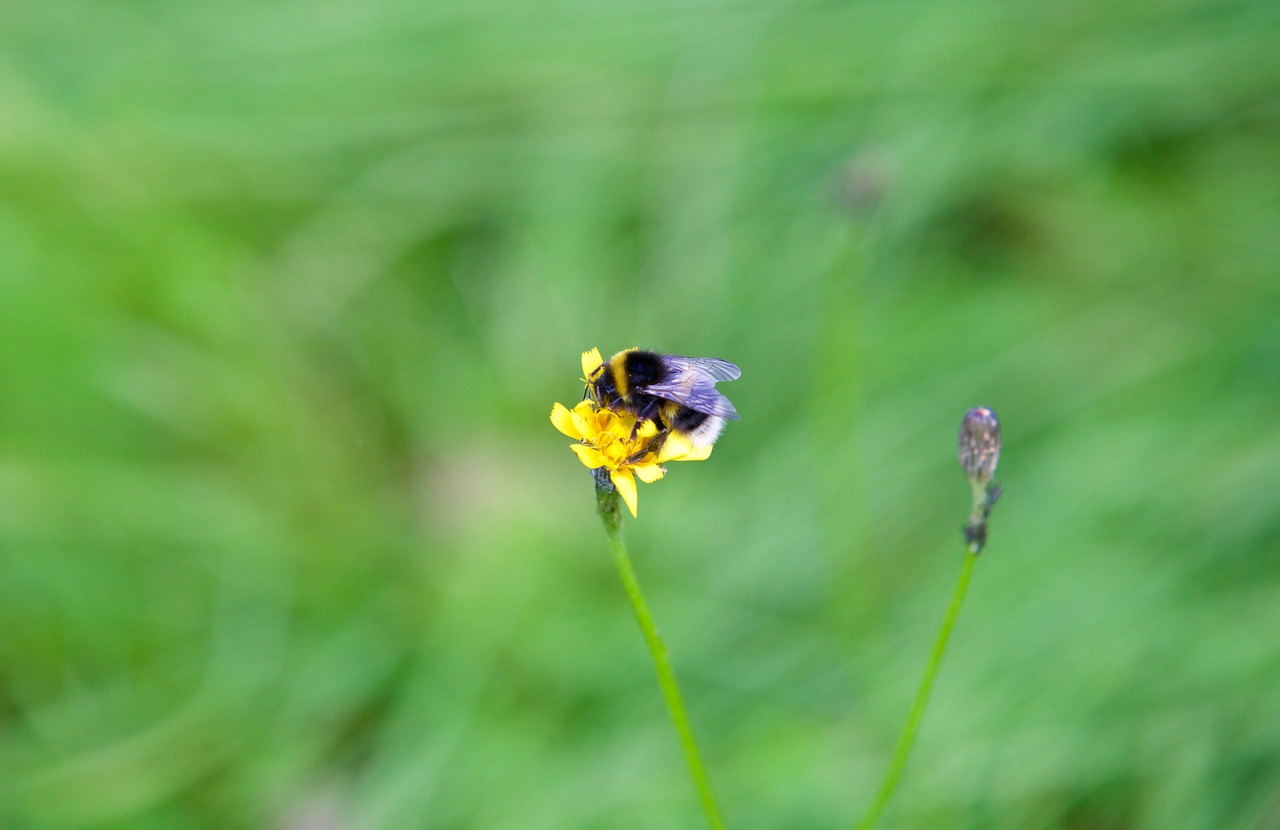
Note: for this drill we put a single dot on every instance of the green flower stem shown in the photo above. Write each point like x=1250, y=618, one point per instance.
x=908, y=737
x=612, y=518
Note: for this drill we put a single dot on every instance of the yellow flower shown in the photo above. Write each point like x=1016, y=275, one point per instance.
x=610, y=440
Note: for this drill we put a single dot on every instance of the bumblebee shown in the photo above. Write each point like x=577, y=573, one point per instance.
x=677, y=393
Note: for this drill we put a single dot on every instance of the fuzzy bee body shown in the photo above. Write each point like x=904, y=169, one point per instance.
x=677, y=393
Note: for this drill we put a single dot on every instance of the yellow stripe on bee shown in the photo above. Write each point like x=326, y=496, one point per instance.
x=619, y=379
x=617, y=366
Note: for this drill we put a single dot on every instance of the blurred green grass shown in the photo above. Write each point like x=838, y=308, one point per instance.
x=286, y=539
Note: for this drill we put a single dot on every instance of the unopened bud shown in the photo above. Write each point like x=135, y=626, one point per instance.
x=979, y=450
x=979, y=445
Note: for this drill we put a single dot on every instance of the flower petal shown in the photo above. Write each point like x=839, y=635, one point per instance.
x=590, y=456
x=584, y=420
x=648, y=473
x=626, y=484
x=608, y=423
x=701, y=453
x=675, y=447
x=616, y=424
x=562, y=420
x=591, y=361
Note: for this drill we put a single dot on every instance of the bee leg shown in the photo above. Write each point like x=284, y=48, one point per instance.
x=654, y=446
x=650, y=411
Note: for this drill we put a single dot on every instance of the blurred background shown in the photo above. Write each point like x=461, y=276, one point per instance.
x=288, y=289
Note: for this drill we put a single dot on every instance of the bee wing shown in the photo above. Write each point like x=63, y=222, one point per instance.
x=694, y=385
x=702, y=398
x=715, y=367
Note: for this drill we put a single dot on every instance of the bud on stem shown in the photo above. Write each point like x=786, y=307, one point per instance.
x=979, y=452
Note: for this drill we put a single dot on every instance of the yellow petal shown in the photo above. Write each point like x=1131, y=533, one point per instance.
x=606, y=442
x=590, y=456
x=648, y=473
x=591, y=361
x=696, y=454
x=607, y=421
x=583, y=420
x=626, y=485
x=562, y=420
x=676, y=446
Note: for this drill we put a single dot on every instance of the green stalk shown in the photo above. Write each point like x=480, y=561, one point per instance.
x=908, y=737
x=607, y=503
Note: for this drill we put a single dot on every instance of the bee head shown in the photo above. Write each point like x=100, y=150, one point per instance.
x=601, y=386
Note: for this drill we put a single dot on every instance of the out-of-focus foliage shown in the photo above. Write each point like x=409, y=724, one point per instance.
x=288, y=289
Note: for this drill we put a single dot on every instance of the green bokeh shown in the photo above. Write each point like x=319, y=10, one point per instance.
x=288, y=290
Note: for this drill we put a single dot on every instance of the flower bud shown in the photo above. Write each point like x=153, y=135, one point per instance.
x=979, y=445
